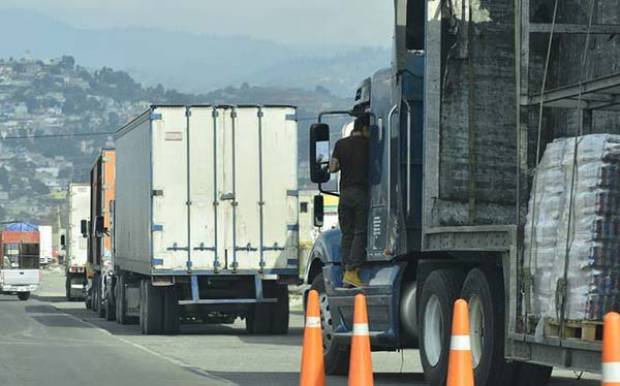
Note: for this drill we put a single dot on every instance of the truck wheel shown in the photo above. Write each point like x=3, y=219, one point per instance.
x=335, y=354
x=109, y=305
x=98, y=295
x=121, y=302
x=68, y=288
x=527, y=374
x=23, y=295
x=88, y=299
x=108, y=311
x=171, y=310
x=439, y=292
x=91, y=294
x=151, y=308
x=258, y=320
x=485, y=296
x=280, y=310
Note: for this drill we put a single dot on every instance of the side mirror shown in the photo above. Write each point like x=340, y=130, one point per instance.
x=319, y=153
x=84, y=228
x=100, y=229
x=62, y=241
x=319, y=213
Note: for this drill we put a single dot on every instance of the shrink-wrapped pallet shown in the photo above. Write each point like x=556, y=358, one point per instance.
x=583, y=237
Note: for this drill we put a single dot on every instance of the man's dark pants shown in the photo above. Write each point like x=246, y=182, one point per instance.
x=353, y=216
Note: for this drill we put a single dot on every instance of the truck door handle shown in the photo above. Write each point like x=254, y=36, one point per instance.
x=409, y=111
x=389, y=151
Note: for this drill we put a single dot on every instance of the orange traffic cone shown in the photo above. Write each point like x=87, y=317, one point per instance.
x=360, y=362
x=460, y=362
x=312, y=366
x=611, y=350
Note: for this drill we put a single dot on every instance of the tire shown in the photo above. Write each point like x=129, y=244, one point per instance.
x=109, y=305
x=88, y=300
x=484, y=292
x=527, y=374
x=68, y=289
x=258, y=320
x=439, y=292
x=23, y=296
x=99, y=298
x=335, y=354
x=171, y=310
x=280, y=310
x=151, y=309
x=108, y=310
x=142, y=308
x=91, y=295
x=121, y=302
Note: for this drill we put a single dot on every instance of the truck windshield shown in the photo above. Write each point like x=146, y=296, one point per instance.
x=20, y=256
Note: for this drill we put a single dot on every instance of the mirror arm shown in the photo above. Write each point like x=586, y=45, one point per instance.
x=334, y=112
x=329, y=193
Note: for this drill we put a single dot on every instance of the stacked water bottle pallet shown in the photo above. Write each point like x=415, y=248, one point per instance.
x=572, y=236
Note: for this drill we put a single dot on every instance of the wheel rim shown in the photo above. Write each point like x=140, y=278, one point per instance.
x=327, y=327
x=433, y=327
x=476, y=328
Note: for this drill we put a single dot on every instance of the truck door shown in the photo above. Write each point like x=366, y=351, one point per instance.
x=385, y=215
x=170, y=179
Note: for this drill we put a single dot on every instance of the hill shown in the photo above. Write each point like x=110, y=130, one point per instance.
x=55, y=116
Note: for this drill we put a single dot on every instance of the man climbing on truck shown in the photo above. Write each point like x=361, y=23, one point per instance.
x=350, y=157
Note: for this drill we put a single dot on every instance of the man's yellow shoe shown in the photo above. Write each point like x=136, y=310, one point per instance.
x=352, y=278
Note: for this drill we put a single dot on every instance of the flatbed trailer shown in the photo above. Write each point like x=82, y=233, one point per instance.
x=455, y=127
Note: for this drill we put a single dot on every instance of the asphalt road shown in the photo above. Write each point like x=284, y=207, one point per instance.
x=48, y=341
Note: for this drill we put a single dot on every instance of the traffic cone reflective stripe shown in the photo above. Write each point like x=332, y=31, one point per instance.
x=360, y=361
x=460, y=343
x=312, y=365
x=460, y=361
x=360, y=329
x=611, y=350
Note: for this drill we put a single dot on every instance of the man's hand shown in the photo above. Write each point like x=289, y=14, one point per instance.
x=334, y=165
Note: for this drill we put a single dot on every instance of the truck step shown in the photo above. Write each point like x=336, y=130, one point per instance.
x=586, y=330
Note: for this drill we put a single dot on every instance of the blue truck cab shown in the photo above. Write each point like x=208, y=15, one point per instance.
x=450, y=164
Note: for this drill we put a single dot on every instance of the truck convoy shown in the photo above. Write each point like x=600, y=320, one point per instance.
x=453, y=156
x=99, y=267
x=205, y=220
x=19, y=271
x=74, y=241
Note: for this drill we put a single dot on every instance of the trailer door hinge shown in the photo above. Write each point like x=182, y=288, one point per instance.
x=157, y=192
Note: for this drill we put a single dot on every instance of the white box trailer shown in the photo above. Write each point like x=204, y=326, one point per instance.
x=45, y=244
x=206, y=218
x=75, y=243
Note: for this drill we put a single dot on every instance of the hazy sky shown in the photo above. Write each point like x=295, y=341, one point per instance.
x=340, y=22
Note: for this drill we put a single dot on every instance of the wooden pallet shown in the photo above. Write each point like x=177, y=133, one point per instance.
x=588, y=330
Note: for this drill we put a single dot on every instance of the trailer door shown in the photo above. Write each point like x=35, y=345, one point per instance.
x=169, y=188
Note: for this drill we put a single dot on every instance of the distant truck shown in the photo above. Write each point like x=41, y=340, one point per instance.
x=45, y=244
x=75, y=243
x=206, y=217
x=19, y=271
x=100, y=265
